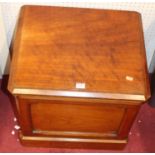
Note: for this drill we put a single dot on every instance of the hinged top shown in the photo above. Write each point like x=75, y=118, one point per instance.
x=79, y=52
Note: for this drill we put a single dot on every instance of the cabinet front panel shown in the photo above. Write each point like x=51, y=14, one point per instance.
x=66, y=116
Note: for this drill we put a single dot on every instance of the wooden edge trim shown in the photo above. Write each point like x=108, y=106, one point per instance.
x=144, y=60
x=73, y=133
x=18, y=91
x=59, y=139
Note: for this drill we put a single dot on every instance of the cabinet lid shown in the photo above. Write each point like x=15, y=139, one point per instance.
x=79, y=52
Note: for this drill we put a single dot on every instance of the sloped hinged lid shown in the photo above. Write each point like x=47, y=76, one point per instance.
x=77, y=52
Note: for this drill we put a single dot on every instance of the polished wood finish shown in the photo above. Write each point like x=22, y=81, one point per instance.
x=78, y=75
x=57, y=36
x=74, y=116
x=72, y=142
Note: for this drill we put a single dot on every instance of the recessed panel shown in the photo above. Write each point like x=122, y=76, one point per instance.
x=75, y=117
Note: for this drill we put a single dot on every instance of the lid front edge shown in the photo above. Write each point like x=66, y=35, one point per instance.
x=62, y=93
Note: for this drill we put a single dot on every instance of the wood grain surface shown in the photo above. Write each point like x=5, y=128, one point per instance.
x=55, y=48
x=78, y=75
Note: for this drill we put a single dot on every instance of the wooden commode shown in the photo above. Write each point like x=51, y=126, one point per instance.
x=79, y=76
